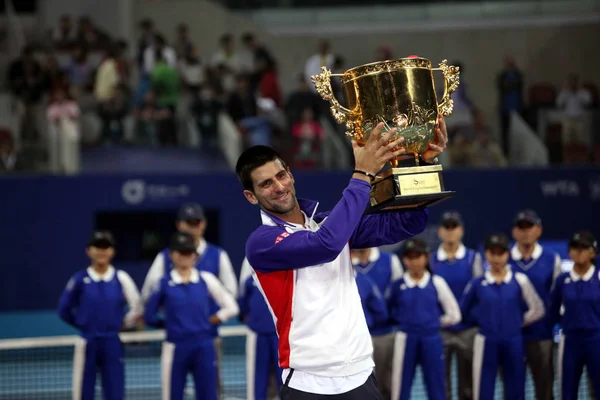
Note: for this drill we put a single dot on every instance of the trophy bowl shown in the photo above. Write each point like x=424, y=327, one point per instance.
x=400, y=93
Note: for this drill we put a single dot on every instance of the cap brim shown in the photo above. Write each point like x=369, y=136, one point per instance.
x=497, y=246
x=102, y=242
x=184, y=249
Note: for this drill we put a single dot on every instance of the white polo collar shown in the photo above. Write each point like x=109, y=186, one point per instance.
x=107, y=277
x=516, y=255
x=177, y=279
x=585, y=277
x=490, y=278
x=461, y=252
x=422, y=283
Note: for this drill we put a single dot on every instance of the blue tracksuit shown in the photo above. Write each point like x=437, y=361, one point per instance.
x=261, y=342
x=381, y=271
x=373, y=303
x=497, y=309
x=209, y=262
x=541, y=270
x=457, y=273
x=186, y=309
x=580, y=322
x=417, y=309
x=97, y=306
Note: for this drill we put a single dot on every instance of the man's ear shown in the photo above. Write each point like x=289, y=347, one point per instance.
x=250, y=197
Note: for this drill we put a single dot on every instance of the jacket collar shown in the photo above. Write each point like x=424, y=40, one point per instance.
x=461, y=252
x=516, y=255
x=585, y=277
x=308, y=207
x=177, y=279
x=107, y=277
x=421, y=284
x=490, y=278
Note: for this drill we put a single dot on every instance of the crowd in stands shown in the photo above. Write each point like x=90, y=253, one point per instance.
x=87, y=88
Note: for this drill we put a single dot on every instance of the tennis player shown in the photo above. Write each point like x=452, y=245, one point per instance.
x=542, y=266
x=99, y=301
x=303, y=266
x=261, y=340
x=577, y=293
x=419, y=304
x=458, y=265
x=382, y=268
x=495, y=301
x=181, y=303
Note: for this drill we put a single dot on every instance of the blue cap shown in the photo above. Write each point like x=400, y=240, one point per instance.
x=528, y=216
x=497, y=240
x=182, y=242
x=451, y=217
x=191, y=211
x=415, y=245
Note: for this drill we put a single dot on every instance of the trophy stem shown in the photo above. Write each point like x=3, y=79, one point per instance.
x=416, y=159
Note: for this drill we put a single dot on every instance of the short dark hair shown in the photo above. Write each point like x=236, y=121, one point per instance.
x=252, y=158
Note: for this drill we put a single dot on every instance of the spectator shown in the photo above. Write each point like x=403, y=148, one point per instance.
x=53, y=74
x=10, y=159
x=160, y=47
x=510, y=90
x=146, y=40
x=107, y=77
x=123, y=64
x=165, y=82
x=90, y=35
x=484, y=152
x=79, y=69
x=191, y=71
x=308, y=138
x=154, y=124
x=226, y=55
x=112, y=113
x=323, y=58
x=255, y=52
x=183, y=44
x=63, y=117
x=573, y=101
x=64, y=34
x=301, y=99
x=268, y=87
x=206, y=108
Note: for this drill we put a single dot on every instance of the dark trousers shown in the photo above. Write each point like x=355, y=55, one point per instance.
x=367, y=391
x=540, y=358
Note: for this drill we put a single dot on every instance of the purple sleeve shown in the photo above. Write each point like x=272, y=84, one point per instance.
x=388, y=228
x=272, y=248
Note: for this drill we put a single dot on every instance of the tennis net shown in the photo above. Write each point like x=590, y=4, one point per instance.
x=42, y=368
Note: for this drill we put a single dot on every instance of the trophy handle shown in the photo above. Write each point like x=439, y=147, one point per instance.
x=451, y=80
x=322, y=84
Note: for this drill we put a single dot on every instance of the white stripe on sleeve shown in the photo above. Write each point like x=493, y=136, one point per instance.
x=532, y=299
x=226, y=274
x=477, y=266
x=132, y=295
x=228, y=305
x=557, y=268
x=451, y=309
x=155, y=274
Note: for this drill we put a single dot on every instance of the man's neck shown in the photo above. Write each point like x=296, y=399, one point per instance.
x=582, y=269
x=100, y=269
x=295, y=216
x=526, y=250
x=450, y=248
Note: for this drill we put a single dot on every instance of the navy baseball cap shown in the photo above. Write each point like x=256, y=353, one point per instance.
x=497, y=241
x=451, y=218
x=191, y=211
x=182, y=242
x=583, y=239
x=102, y=239
x=415, y=245
x=528, y=216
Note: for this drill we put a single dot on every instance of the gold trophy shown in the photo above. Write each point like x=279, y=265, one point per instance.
x=400, y=93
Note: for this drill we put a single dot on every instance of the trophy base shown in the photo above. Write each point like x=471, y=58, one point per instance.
x=408, y=188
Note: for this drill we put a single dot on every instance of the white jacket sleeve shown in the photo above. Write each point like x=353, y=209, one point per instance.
x=228, y=306
x=245, y=273
x=532, y=299
x=397, y=271
x=226, y=274
x=155, y=273
x=132, y=295
x=452, y=314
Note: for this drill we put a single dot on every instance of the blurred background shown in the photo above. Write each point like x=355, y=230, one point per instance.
x=114, y=113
